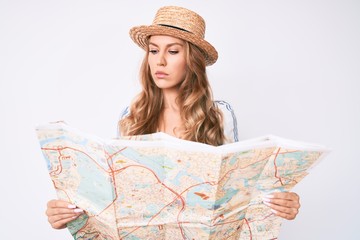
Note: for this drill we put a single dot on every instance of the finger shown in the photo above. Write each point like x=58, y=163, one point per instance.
x=283, y=202
x=282, y=209
x=59, y=223
x=59, y=204
x=288, y=199
x=285, y=212
x=284, y=215
x=59, y=218
x=284, y=195
x=59, y=211
x=58, y=207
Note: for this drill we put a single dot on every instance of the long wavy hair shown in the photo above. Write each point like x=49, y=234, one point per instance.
x=201, y=118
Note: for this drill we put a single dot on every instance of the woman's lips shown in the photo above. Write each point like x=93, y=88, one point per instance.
x=160, y=74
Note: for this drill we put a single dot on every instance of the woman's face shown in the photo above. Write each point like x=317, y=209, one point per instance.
x=167, y=61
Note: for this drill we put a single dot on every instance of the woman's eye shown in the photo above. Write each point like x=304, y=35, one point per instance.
x=153, y=51
x=173, y=52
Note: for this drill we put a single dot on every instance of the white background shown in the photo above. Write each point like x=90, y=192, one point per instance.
x=289, y=68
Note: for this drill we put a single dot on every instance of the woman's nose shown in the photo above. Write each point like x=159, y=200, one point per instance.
x=161, y=60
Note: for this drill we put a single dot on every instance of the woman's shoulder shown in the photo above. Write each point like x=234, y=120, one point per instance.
x=124, y=112
x=223, y=105
x=229, y=120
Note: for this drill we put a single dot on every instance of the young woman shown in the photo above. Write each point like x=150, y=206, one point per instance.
x=176, y=98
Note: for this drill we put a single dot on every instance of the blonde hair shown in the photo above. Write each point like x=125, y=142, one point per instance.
x=202, y=120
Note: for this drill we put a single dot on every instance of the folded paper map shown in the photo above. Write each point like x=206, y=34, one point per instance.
x=159, y=187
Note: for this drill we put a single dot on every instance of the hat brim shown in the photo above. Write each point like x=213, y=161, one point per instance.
x=140, y=35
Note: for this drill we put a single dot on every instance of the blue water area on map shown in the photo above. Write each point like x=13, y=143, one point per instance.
x=94, y=183
x=226, y=198
x=235, y=158
x=155, y=163
x=182, y=173
x=48, y=163
x=192, y=199
x=298, y=157
x=152, y=209
x=77, y=224
x=246, y=182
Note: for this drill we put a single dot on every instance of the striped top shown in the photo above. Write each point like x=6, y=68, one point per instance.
x=230, y=123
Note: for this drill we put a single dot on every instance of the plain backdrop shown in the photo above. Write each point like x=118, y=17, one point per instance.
x=289, y=68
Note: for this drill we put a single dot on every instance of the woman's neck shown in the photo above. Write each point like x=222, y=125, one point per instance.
x=170, y=102
x=170, y=119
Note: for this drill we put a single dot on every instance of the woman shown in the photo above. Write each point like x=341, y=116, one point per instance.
x=176, y=98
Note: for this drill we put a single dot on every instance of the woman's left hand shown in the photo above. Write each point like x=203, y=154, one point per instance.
x=283, y=204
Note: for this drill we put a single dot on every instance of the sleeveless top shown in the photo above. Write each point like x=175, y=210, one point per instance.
x=229, y=118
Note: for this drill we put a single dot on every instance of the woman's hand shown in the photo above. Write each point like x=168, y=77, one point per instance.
x=283, y=204
x=61, y=212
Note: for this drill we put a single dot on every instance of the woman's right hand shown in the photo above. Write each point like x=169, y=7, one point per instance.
x=60, y=212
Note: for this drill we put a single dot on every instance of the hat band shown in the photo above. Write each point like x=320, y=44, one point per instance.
x=165, y=25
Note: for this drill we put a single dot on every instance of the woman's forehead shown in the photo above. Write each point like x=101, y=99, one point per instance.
x=164, y=39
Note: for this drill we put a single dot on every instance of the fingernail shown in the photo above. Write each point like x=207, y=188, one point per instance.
x=267, y=204
x=273, y=211
x=71, y=206
x=269, y=196
x=266, y=200
x=78, y=210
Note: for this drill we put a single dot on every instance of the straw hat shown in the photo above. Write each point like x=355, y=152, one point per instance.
x=180, y=23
